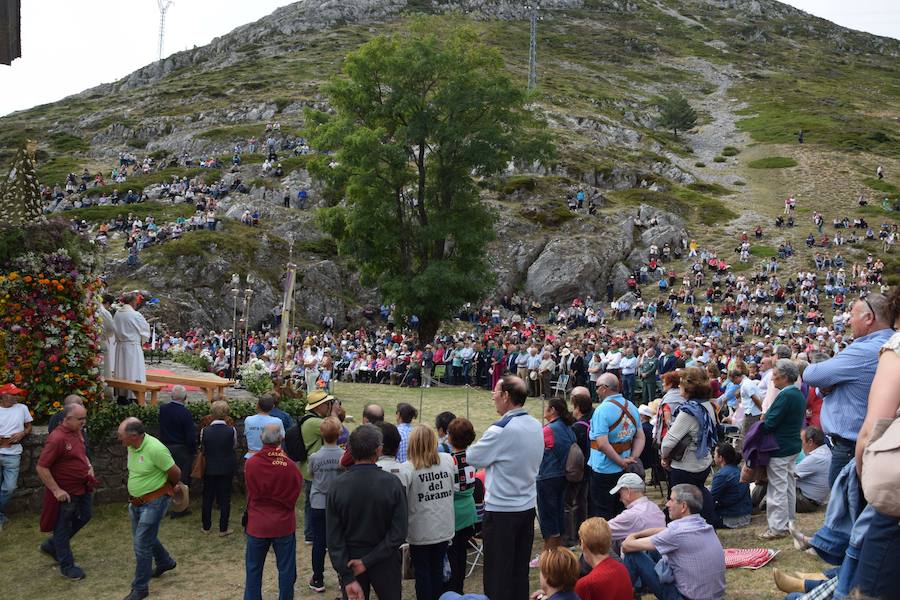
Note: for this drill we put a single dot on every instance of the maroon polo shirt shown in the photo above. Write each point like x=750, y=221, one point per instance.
x=64, y=455
x=273, y=486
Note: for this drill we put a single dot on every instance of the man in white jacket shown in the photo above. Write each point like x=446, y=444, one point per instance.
x=511, y=451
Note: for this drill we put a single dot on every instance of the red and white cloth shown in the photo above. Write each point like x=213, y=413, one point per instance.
x=748, y=558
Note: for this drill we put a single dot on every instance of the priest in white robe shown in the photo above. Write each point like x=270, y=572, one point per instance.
x=132, y=330
x=107, y=336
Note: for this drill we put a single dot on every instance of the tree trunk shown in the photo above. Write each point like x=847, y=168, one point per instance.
x=428, y=327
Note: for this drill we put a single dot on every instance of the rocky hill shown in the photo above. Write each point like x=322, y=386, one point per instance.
x=756, y=71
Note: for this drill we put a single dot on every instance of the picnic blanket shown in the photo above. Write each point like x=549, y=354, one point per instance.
x=748, y=558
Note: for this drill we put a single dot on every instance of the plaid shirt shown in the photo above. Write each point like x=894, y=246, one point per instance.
x=404, y=429
x=822, y=592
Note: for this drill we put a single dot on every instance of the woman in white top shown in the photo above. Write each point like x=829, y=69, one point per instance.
x=432, y=523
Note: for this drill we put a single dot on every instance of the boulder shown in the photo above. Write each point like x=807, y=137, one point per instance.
x=575, y=266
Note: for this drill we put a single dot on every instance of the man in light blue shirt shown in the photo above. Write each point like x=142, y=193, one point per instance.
x=616, y=437
x=254, y=424
x=844, y=380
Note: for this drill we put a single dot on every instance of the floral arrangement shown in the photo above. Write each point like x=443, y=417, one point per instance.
x=49, y=323
x=255, y=377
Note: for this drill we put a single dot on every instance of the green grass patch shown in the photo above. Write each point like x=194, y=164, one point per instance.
x=55, y=170
x=241, y=246
x=773, y=162
x=713, y=189
x=325, y=246
x=763, y=251
x=730, y=151
x=689, y=204
x=518, y=183
x=235, y=133
x=880, y=185
x=162, y=213
x=552, y=216
x=293, y=163
x=67, y=143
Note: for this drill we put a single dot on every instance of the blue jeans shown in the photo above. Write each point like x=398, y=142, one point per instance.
x=73, y=515
x=877, y=572
x=317, y=522
x=841, y=453
x=628, y=386
x=551, y=494
x=9, y=477
x=642, y=569
x=145, y=520
x=285, y=559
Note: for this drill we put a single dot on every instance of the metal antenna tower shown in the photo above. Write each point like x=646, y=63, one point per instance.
x=163, y=8
x=532, y=52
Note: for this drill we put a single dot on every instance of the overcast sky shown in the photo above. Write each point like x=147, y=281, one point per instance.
x=70, y=46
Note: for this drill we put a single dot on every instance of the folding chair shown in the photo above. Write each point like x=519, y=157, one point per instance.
x=560, y=385
x=439, y=372
x=475, y=555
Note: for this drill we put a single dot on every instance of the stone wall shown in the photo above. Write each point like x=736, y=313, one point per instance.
x=108, y=458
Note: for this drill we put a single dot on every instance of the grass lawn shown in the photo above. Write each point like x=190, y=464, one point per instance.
x=211, y=568
x=773, y=162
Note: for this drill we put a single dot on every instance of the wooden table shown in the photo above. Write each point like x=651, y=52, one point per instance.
x=213, y=385
x=139, y=389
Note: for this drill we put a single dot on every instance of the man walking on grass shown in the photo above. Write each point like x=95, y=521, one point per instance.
x=67, y=473
x=153, y=478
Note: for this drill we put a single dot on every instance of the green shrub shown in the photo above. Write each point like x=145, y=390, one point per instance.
x=104, y=417
x=719, y=159
x=700, y=164
x=730, y=151
x=738, y=183
x=189, y=359
x=773, y=162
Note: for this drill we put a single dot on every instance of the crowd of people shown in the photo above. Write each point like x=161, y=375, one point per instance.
x=788, y=421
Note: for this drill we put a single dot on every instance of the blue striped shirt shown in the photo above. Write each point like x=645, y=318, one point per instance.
x=849, y=375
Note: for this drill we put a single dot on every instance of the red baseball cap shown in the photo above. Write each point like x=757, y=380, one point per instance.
x=12, y=389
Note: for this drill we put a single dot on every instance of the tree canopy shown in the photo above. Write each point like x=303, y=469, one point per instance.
x=418, y=116
x=676, y=113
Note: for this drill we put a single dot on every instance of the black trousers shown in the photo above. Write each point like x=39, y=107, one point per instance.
x=216, y=488
x=508, y=537
x=601, y=502
x=386, y=578
x=457, y=554
x=677, y=476
x=184, y=458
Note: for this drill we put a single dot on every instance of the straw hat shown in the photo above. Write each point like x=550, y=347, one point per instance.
x=181, y=499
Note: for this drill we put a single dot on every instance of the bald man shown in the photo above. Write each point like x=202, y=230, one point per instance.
x=616, y=440
x=66, y=472
x=57, y=419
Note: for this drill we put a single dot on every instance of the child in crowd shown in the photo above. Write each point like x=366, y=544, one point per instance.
x=324, y=466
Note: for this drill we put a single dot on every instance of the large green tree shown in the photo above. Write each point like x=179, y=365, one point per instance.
x=418, y=117
x=676, y=113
